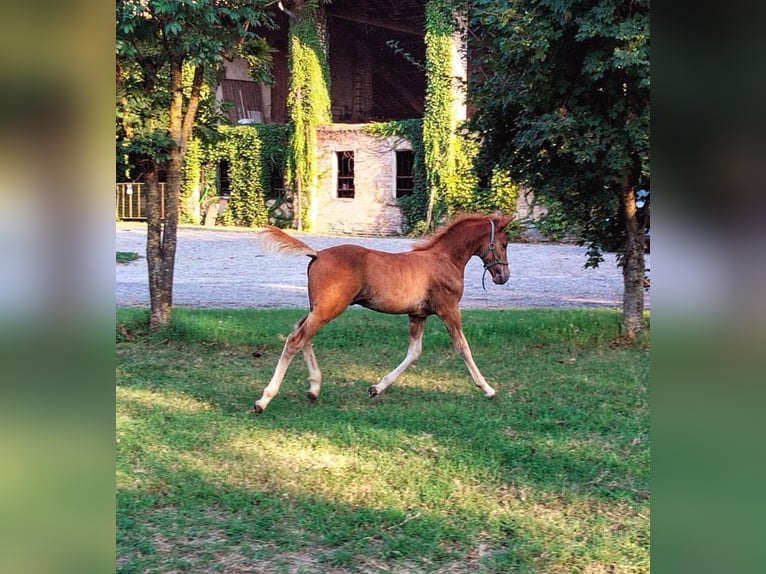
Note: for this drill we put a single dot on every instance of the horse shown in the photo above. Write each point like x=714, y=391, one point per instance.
x=427, y=280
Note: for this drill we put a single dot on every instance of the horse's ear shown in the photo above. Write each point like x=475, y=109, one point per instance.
x=503, y=221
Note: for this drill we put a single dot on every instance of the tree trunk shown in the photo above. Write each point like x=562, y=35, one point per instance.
x=160, y=251
x=633, y=269
x=162, y=230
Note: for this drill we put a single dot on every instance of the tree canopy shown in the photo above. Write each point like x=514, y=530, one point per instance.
x=562, y=90
x=562, y=93
x=157, y=38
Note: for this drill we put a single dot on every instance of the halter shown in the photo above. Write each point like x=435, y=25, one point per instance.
x=490, y=249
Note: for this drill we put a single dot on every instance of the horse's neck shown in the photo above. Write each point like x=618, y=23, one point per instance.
x=458, y=246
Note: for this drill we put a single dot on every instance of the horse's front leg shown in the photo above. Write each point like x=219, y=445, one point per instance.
x=413, y=352
x=454, y=324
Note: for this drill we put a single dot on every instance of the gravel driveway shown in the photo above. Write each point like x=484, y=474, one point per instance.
x=219, y=268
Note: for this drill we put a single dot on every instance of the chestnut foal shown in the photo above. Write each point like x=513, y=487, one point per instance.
x=425, y=281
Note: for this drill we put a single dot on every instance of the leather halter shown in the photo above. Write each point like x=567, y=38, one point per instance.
x=491, y=248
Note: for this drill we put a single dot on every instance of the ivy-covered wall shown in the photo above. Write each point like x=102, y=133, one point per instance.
x=466, y=193
x=438, y=123
x=254, y=154
x=451, y=182
x=191, y=180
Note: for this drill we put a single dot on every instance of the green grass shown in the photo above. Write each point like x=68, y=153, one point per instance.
x=127, y=256
x=550, y=476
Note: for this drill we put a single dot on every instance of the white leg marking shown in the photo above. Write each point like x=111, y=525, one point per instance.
x=315, y=375
x=454, y=326
x=465, y=351
x=413, y=353
x=276, y=380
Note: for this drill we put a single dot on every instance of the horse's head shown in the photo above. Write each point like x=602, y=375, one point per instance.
x=494, y=253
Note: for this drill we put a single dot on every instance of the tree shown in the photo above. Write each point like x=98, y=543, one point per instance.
x=561, y=90
x=165, y=50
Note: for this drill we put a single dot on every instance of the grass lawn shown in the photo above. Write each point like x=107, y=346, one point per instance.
x=126, y=256
x=550, y=476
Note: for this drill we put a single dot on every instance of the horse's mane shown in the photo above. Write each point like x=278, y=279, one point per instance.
x=437, y=235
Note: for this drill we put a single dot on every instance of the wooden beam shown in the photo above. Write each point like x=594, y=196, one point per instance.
x=386, y=25
x=415, y=101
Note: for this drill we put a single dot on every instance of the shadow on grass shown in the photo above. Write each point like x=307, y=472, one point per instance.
x=192, y=522
x=192, y=478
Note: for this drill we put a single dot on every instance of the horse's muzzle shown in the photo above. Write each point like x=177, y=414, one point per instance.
x=500, y=274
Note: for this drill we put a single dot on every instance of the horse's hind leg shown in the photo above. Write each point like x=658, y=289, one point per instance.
x=315, y=375
x=413, y=352
x=297, y=340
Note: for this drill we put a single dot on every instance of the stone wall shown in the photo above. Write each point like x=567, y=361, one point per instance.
x=373, y=210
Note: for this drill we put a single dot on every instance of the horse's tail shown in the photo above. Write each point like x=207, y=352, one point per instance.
x=275, y=241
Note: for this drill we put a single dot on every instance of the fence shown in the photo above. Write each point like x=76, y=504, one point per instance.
x=131, y=201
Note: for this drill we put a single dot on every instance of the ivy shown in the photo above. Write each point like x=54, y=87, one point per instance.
x=190, y=178
x=438, y=136
x=254, y=153
x=449, y=153
x=308, y=106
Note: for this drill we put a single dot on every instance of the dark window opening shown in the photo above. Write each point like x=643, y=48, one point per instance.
x=404, y=177
x=224, y=184
x=485, y=181
x=376, y=60
x=345, y=174
x=276, y=188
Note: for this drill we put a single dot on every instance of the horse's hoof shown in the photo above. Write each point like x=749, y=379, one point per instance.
x=311, y=396
x=257, y=408
x=490, y=395
x=372, y=392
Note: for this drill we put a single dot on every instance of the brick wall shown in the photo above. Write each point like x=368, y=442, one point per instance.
x=373, y=209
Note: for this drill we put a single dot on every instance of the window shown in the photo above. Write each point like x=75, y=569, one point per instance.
x=345, y=174
x=224, y=185
x=404, y=179
x=276, y=184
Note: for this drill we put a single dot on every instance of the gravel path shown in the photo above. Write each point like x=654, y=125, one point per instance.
x=225, y=269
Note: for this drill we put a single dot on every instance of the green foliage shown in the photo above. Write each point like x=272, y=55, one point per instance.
x=503, y=192
x=449, y=152
x=191, y=177
x=563, y=101
x=150, y=36
x=438, y=135
x=555, y=224
x=308, y=103
x=550, y=476
x=254, y=153
x=246, y=206
x=258, y=55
